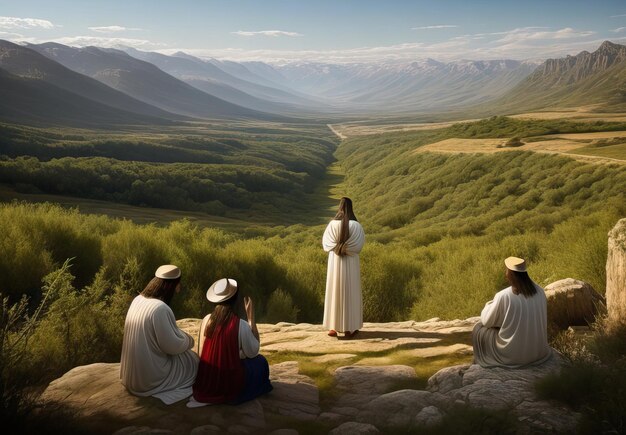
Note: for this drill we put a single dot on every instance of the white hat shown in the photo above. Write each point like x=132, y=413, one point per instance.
x=221, y=290
x=167, y=271
x=515, y=264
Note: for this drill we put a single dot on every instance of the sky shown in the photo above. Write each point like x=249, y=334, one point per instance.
x=333, y=31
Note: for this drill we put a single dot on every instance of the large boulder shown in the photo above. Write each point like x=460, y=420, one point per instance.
x=616, y=274
x=510, y=390
x=470, y=385
x=95, y=394
x=572, y=303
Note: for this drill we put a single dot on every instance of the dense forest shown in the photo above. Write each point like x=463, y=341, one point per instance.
x=214, y=171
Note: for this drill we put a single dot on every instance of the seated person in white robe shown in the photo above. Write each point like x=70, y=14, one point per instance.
x=512, y=331
x=157, y=357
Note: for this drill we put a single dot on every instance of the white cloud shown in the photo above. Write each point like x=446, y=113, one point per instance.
x=441, y=26
x=519, y=29
x=10, y=35
x=528, y=34
x=24, y=23
x=272, y=33
x=111, y=29
x=456, y=48
x=618, y=16
x=618, y=30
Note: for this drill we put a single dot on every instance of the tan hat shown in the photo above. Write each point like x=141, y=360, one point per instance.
x=515, y=264
x=167, y=271
x=221, y=290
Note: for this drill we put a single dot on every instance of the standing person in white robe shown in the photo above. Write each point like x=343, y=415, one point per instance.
x=343, y=240
x=513, y=331
x=157, y=357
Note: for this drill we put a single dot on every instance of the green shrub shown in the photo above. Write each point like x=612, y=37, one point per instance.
x=280, y=308
x=594, y=382
x=514, y=142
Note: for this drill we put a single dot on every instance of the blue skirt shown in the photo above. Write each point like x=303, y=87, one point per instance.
x=257, y=379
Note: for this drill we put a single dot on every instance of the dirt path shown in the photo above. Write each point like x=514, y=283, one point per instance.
x=339, y=135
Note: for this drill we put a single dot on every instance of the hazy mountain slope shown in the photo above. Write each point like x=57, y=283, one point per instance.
x=261, y=70
x=235, y=96
x=422, y=85
x=37, y=102
x=210, y=79
x=145, y=82
x=184, y=66
x=584, y=79
x=24, y=62
x=267, y=76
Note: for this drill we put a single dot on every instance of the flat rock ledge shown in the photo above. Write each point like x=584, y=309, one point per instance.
x=366, y=399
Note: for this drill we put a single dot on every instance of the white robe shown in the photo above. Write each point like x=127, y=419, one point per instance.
x=343, y=305
x=512, y=331
x=157, y=357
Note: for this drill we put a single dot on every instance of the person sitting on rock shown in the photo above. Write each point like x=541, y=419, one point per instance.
x=512, y=331
x=231, y=370
x=157, y=357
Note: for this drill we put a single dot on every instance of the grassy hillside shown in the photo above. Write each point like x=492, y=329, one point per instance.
x=453, y=218
x=437, y=225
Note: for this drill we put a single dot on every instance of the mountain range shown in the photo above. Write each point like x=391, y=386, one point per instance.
x=229, y=81
x=597, y=78
x=143, y=81
x=405, y=87
x=60, y=84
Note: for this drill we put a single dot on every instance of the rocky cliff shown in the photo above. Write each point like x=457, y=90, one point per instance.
x=616, y=274
x=572, y=69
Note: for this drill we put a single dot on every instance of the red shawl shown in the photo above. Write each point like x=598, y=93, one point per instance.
x=221, y=375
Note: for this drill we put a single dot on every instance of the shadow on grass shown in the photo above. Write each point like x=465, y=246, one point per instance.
x=455, y=337
x=56, y=418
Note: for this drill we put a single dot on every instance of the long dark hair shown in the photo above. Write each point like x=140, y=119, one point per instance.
x=162, y=289
x=222, y=314
x=521, y=283
x=345, y=215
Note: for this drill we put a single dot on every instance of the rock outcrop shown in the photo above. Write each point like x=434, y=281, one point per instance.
x=573, y=303
x=616, y=274
x=372, y=391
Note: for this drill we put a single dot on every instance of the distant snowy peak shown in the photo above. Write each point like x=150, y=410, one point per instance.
x=420, y=66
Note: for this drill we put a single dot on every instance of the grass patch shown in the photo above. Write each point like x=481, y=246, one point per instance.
x=595, y=381
x=321, y=373
x=466, y=420
x=617, y=151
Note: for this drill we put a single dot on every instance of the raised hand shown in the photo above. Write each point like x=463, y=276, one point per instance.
x=249, y=308
x=247, y=301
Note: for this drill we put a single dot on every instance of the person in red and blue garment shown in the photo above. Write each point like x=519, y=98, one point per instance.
x=231, y=370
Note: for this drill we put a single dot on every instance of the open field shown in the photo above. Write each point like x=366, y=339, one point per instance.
x=583, y=114
x=571, y=144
